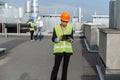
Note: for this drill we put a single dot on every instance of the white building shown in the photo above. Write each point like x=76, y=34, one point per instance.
x=100, y=19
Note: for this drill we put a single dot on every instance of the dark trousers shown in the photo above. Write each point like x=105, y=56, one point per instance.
x=31, y=35
x=58, y=59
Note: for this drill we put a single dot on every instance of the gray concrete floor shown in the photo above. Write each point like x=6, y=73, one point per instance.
x=26, y=60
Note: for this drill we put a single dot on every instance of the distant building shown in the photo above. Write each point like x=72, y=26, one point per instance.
x=101, y=19
x=75, y=19
x=2, y=4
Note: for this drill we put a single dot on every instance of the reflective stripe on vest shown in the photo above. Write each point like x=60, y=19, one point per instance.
x=63, y=46
x=32, y=26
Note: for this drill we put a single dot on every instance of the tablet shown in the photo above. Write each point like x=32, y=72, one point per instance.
x=66, y=36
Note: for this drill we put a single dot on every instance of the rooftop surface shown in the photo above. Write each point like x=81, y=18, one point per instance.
x=26, y=60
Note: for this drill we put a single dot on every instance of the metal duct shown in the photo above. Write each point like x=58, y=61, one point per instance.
x=112, y=14
x=118, y=14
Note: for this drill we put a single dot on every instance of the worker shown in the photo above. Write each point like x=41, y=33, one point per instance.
x=39, y=25
x=31, y=26
x=62, y=38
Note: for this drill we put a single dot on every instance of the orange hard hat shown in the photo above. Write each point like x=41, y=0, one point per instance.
x=65, y=16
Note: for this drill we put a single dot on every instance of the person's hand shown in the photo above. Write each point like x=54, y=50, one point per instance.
x=70, y=39
x=61, y=38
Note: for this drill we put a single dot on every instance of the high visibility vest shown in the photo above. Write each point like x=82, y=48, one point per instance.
x=32, y=26
x=63, y=46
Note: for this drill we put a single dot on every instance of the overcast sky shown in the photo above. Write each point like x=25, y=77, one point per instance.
x=88, y=6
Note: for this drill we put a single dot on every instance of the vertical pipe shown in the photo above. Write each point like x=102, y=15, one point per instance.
x=3, y=27
x=6, y=5
x=18, y=28
x=80, y=15
x=6, y=32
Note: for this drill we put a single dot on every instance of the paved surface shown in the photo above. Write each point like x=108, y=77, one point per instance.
x=26, y=60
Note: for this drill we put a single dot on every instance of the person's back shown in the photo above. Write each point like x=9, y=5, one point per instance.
x=39, y=25
x=31, y=28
